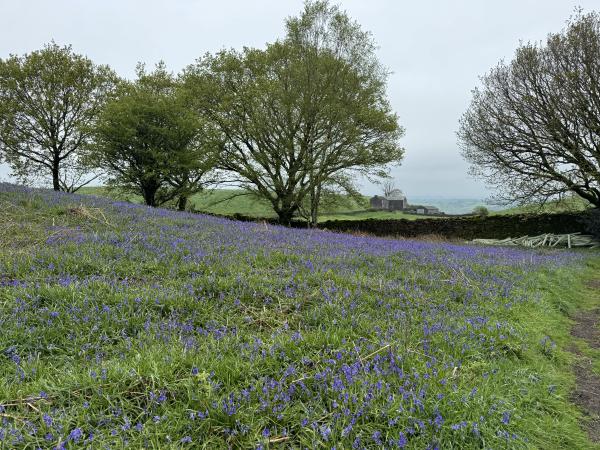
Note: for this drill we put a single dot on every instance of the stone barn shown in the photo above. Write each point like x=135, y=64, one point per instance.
x=394, y=201
x=378, y=202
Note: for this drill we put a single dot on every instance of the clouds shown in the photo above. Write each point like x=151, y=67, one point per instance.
x=435, y=49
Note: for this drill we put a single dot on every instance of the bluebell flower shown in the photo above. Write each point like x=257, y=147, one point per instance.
x=47, y=420
x=75, y=435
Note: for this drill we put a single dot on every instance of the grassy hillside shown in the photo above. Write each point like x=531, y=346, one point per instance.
x=229, y=201
x=126, y=326
x=569, y=204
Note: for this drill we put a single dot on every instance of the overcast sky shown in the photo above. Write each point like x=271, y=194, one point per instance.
x=435, y=49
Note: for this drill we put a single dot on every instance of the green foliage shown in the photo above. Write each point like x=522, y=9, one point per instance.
x=48, y=100
x=481, y=211
x=302, y=114
x=150, y=143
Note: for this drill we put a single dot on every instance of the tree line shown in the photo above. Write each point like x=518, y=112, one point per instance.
x=291, y=123
x=297, y=122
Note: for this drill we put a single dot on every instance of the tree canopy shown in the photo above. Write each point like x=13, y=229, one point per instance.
x=302, y=113
x=294, y=123
x=49, y=99
x=149, y=142
x=533, y=128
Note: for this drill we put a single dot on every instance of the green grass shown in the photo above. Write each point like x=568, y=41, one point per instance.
x=362, y=215
x=228, y=202
x=569, y=204
x=122, y=316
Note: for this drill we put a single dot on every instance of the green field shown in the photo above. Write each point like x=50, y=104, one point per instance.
x=125, y=326
x=567, y=205
x=229, y=201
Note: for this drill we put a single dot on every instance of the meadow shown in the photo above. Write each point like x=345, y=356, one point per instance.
x=228, y=202
x=128, y=326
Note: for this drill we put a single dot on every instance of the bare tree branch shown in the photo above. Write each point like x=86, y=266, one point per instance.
x=533, y=130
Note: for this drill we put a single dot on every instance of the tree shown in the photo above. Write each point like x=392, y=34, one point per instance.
x=339, y=192
x=533, y=129
x=481, y=211
x=323, y=33
x=388, y=187
x=48, y=101
x=306, y=112
x=149, y=142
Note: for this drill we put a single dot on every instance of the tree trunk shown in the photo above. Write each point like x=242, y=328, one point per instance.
x=315, y=199
x=182, y=202
x=284, y=208
x=285, y=215
x=589, y=195
x=55, y=176
x=149, y=195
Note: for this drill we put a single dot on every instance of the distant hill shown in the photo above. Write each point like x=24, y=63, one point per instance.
x=568, y=204
x=453, y=205
x=230, y=201
x=466, y=205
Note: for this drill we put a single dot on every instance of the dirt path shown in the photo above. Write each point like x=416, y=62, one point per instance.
x=587, y=390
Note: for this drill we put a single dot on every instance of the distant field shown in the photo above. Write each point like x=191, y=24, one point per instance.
x=229, y=201
x=454, y=205
x=571, y=204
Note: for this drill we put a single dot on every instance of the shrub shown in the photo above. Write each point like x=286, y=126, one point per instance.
x=481, y=211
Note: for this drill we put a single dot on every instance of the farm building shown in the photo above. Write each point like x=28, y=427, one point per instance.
x=394, y=201
x=427, y=210
x=378, y=202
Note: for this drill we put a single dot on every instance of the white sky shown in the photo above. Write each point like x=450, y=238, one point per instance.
x=436, y=50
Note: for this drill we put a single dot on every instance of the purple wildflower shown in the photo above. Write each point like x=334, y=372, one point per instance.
x=75, y=435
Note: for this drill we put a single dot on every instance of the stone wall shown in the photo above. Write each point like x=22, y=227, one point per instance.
x=495, y=227
x=463, y=227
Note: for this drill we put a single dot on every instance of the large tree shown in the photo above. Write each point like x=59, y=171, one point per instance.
x=149, y=142
x=303, y=113
x=48, y=101
x=533, y=128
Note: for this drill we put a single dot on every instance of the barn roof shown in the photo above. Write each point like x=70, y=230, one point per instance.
x=396, y=194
